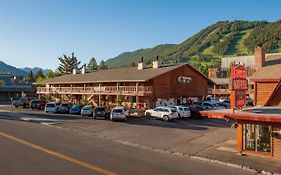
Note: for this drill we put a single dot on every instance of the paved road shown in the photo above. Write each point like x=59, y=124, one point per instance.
x=31, y=149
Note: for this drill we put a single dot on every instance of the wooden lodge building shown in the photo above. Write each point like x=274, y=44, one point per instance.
x=139, y=87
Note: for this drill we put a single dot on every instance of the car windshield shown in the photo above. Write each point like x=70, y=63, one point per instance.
x=173, y=110
x=76, y=106
x=100, y=109
x=64, y=105
x=186, y=109
x=50, y=105
x=87, y=107
x=117, y=110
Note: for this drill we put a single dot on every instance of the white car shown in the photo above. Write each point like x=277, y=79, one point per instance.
x=183, y=111
x=164, y=113
x=87, y=110
x=118, y=113
x=52, y=107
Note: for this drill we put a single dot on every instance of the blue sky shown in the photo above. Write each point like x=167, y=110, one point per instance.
x=36, y=32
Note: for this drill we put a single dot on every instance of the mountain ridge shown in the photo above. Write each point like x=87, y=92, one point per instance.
x=205, y=48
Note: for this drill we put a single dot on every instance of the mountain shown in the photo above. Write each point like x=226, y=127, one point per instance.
x=205, y=48
x=35, y=70
x=7, y=69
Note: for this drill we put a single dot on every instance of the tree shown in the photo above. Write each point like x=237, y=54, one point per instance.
x=30, y=77
x=49, y=75
x=67, y=64
x=92, y=65
x=102, y=65
x=133, y=64
x=39, y=74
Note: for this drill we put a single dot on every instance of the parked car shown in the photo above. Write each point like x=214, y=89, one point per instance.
x=211, y=105
x=183, y=111
x=64, y=108
x=23, y=101
x=87, y=110
x=52, y=107
x=195, y=110
x=100, y=112
x=118, y=113
x=75, y=109
x=163, y=112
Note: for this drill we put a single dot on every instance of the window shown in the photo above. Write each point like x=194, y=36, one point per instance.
x=256, y=138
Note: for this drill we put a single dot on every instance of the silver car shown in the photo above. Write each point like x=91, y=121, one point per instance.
x=118, y=113
x=87, y=110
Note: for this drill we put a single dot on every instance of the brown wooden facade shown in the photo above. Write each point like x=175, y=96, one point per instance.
x=141, y=92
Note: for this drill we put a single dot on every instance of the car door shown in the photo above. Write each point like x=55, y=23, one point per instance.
x=157, y=112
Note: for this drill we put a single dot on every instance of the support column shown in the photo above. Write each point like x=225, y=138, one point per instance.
x=137, y=97
x=99, y=94
x=239, y=138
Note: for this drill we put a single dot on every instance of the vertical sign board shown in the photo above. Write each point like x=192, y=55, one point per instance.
x=239, y=86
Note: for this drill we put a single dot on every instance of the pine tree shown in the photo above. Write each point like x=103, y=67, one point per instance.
x=30, y=77
x=67, y=64
x=39, y=73
x=102, y=65
x=92, y=65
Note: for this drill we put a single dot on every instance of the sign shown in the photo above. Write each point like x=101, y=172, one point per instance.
x=184, y=80
x=239, y=85
x=238, y=72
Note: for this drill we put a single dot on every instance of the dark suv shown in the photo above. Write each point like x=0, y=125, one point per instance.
x=100, y=112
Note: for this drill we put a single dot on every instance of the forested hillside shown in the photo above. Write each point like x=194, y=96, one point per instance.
x=204, y=49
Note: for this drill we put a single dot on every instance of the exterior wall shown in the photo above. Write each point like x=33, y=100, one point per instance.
x=263, y=92
x=275, y=139
x=167, y=85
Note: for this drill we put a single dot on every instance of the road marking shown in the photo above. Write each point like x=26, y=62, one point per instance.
x=59, y=155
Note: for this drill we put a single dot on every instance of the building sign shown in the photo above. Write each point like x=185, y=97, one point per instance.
x=184, y=80
x=239, y=86
x=238, y=72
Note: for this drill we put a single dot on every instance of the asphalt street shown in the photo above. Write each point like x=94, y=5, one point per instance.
x=32, y=148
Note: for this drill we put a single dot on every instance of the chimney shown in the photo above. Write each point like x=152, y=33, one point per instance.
x=84, y=69
x=141, y=64
x=74, y=71
x=259, y=57
x=155, y=63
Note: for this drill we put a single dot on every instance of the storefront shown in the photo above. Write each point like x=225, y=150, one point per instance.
x=257, y=134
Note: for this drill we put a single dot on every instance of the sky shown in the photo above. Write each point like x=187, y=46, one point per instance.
x=37, y=32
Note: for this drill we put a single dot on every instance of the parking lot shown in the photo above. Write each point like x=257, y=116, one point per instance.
x=189, y=136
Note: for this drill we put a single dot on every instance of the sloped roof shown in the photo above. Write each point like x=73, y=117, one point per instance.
x=128, y=74
x=271, y=72
x=220, y=81
x=271, y=69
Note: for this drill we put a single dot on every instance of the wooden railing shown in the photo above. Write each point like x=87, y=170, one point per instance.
x=97, y=90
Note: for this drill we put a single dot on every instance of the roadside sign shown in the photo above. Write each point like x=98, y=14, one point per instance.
x=239, y=85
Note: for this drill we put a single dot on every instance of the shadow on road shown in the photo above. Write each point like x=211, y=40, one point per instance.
x=202, y=124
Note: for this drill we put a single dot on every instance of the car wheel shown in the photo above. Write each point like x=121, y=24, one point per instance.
x=148, y=115
x=166, y=118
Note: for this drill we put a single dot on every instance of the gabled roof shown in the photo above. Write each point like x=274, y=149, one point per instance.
x=128, y=74
x=271, y=69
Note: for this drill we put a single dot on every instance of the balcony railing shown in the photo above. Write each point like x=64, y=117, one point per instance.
x=97, y=90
